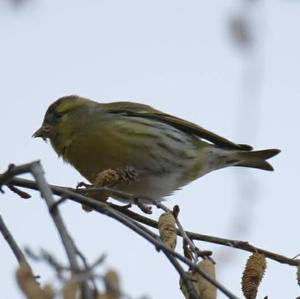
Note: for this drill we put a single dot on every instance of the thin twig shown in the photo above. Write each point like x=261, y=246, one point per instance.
x=21, y=193
x=185, y=278
x=87, y=268
x=193, y=247
x=46, y=193
x=237, y=244
x=103, y=208
x=68, y=243
x=98, y=261
x=12, y=171
x=45, y=256
x=12, y=243
x=38, y=173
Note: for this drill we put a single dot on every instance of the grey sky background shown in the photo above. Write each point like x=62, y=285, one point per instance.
x=178, y=57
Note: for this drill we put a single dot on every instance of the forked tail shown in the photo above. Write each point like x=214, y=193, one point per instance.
x=256, y=159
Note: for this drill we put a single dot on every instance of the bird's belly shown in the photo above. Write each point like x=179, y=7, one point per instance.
x=162, y=160
x=155, y=178
x=150, y=187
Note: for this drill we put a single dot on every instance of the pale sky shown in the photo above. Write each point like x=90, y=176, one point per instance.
x=178, y=57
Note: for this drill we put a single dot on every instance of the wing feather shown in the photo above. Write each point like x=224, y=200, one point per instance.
x=130, y=109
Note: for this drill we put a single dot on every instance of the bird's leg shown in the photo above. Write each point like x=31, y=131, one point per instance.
x=129, y=175
x=144, y=208
x=107, y=178
x=110, y=178
x=98, y=195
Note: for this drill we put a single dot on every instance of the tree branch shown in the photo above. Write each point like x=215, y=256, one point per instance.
x=12, y=243
x=242, y=245
x=111, y=212
x=104, y=208
x=37, y=171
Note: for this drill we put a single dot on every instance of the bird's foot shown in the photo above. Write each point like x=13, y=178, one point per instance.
x=110, y=178
x=87, y=190
x=144, y=208
x=83, y=184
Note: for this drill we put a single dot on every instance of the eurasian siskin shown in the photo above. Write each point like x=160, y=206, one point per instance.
x=166, y=152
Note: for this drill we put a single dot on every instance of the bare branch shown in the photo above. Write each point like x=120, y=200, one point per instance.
x=242, y=245
x=21, y=193
x=37, y=171
x=145, y=233
x=46, y=193
x=132, y=220
x=69, y=245
x=186, y=279
x=12, y=243
x=195, y=250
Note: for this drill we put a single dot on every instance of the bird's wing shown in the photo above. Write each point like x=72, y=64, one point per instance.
x=140, y=110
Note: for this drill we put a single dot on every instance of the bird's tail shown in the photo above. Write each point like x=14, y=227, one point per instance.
x=256, y=159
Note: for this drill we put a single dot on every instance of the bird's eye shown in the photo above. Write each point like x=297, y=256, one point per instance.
x=57, y=115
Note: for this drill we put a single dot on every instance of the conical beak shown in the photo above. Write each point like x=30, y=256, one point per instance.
x=43, y=132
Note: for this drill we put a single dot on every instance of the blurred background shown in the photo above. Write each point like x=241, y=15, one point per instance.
x=230, y=66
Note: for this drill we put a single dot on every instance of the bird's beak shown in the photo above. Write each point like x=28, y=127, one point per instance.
x=43, y=132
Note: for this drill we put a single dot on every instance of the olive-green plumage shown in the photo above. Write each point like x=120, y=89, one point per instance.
x=166, y=151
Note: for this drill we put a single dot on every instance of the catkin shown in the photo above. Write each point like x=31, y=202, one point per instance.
x=106, y=178
x=202, y=286
x=253, y=274
x=205, y=288
x=167, y=229
x=30, y=287
x=70, y=289
x=112, y=286
x=193, y=278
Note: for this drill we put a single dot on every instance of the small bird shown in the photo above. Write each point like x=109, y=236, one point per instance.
x=165, y=151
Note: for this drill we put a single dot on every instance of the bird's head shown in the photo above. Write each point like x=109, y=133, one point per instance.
x=59, y=115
